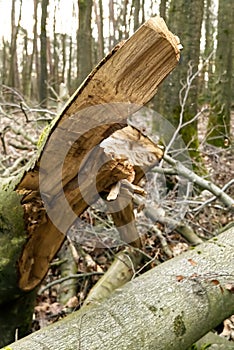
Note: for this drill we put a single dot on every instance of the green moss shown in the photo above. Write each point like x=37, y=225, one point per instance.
x=152, y=308
x=12, y=238
x=179, y=326
x=43, y=136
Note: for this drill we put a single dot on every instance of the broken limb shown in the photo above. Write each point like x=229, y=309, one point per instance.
x=193, y=177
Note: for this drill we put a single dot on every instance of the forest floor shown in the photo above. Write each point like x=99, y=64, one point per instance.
x=19, y=134
x=89, y=258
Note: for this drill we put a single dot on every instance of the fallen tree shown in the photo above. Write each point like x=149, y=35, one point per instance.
x=169, y=307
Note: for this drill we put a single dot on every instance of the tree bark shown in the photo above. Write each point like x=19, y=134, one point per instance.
x=170, y=103
x=43, y=55
x=219, y=127
x=84, y=39
x=163, y=9
x=98, y=6
x=136, y=6
x=13, y=79
x=169, y=307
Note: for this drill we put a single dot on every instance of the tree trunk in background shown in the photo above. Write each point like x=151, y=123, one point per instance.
x=4, y=63
x=28, y=85
x=162, y=9
x=209, y=19
x=159, y=97
x=123, y=22
x=35, y=91
x=26, y=65
x=62, y=77
x=136, y=6
x=43, y=57
x=218, y=132
x=29, y=59
x=84, y=39
x=111, y=25
x=99, y=19
x=13, y=79
x=185, y=19
x=143, y=11
x=55, y=49
x=69, y=71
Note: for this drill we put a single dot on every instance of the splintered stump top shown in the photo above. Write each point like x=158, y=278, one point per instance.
x=126, y=79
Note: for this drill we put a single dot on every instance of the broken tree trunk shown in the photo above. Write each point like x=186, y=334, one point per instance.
x=126, y=80
x=47, y=194
x=169, y=307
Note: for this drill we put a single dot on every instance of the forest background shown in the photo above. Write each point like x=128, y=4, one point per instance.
x=47, y=48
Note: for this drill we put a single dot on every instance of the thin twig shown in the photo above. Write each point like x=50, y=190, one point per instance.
x=212, y=199
x=61, y=280
x=208, y=185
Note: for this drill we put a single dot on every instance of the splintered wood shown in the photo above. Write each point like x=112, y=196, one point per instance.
x=124, y=80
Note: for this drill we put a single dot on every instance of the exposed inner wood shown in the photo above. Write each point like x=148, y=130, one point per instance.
x=123, y=82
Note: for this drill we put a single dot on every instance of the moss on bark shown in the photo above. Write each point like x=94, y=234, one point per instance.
x=12, y=239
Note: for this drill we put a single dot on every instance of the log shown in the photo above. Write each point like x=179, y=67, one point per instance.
x=169, y=307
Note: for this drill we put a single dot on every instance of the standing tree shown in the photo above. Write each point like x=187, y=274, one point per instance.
x=98, y=6
x=55, y=50
x=163, y=9
x=84, y=39
x=4, y=62
x=136, y=6
x=43, y=57
x=13, y=79
x=219, y=122
x=173, y=95
x=34, y=56
x=209, y=18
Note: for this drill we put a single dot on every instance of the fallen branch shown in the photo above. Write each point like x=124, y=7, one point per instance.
x=119, y=273
x=156, y=216
x=67, y=278
x=212, y=199
x=193, y=177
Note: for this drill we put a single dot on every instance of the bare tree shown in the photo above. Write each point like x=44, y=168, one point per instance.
x=43, y=55
x=84, y=39
x=163, y=8
x=13, y=79
x=219, y=122
x=98, y=6
x=136, y=6
x=173, y=90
